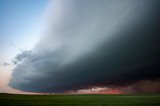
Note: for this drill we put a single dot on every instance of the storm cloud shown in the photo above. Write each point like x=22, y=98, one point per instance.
x=92, y=42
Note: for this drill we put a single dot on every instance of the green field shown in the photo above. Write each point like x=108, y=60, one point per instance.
x=79, y=100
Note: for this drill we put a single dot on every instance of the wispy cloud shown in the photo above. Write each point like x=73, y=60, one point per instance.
x=5, y=64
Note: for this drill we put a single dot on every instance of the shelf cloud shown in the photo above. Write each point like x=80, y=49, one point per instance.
x=92, y=42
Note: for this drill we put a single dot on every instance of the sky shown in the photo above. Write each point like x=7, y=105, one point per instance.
x=22, y=22
x=80, y=46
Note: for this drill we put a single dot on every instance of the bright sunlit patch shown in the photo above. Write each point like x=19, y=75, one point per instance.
x=98, y=90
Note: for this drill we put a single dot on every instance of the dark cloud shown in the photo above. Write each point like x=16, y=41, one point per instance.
x=142, y=86
x=146, y=86
x=91, y=43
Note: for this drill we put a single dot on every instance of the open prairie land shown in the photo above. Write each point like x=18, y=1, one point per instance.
x=79, y=100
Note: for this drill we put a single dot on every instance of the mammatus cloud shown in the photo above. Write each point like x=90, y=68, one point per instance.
x=93, y=43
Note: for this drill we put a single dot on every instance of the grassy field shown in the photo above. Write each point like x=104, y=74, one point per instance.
x=79, y=100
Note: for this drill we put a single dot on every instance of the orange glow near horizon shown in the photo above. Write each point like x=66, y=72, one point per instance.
x=98, y=90
x=111, y=91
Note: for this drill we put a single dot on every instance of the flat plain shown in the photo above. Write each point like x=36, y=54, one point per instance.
x=80, y=100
